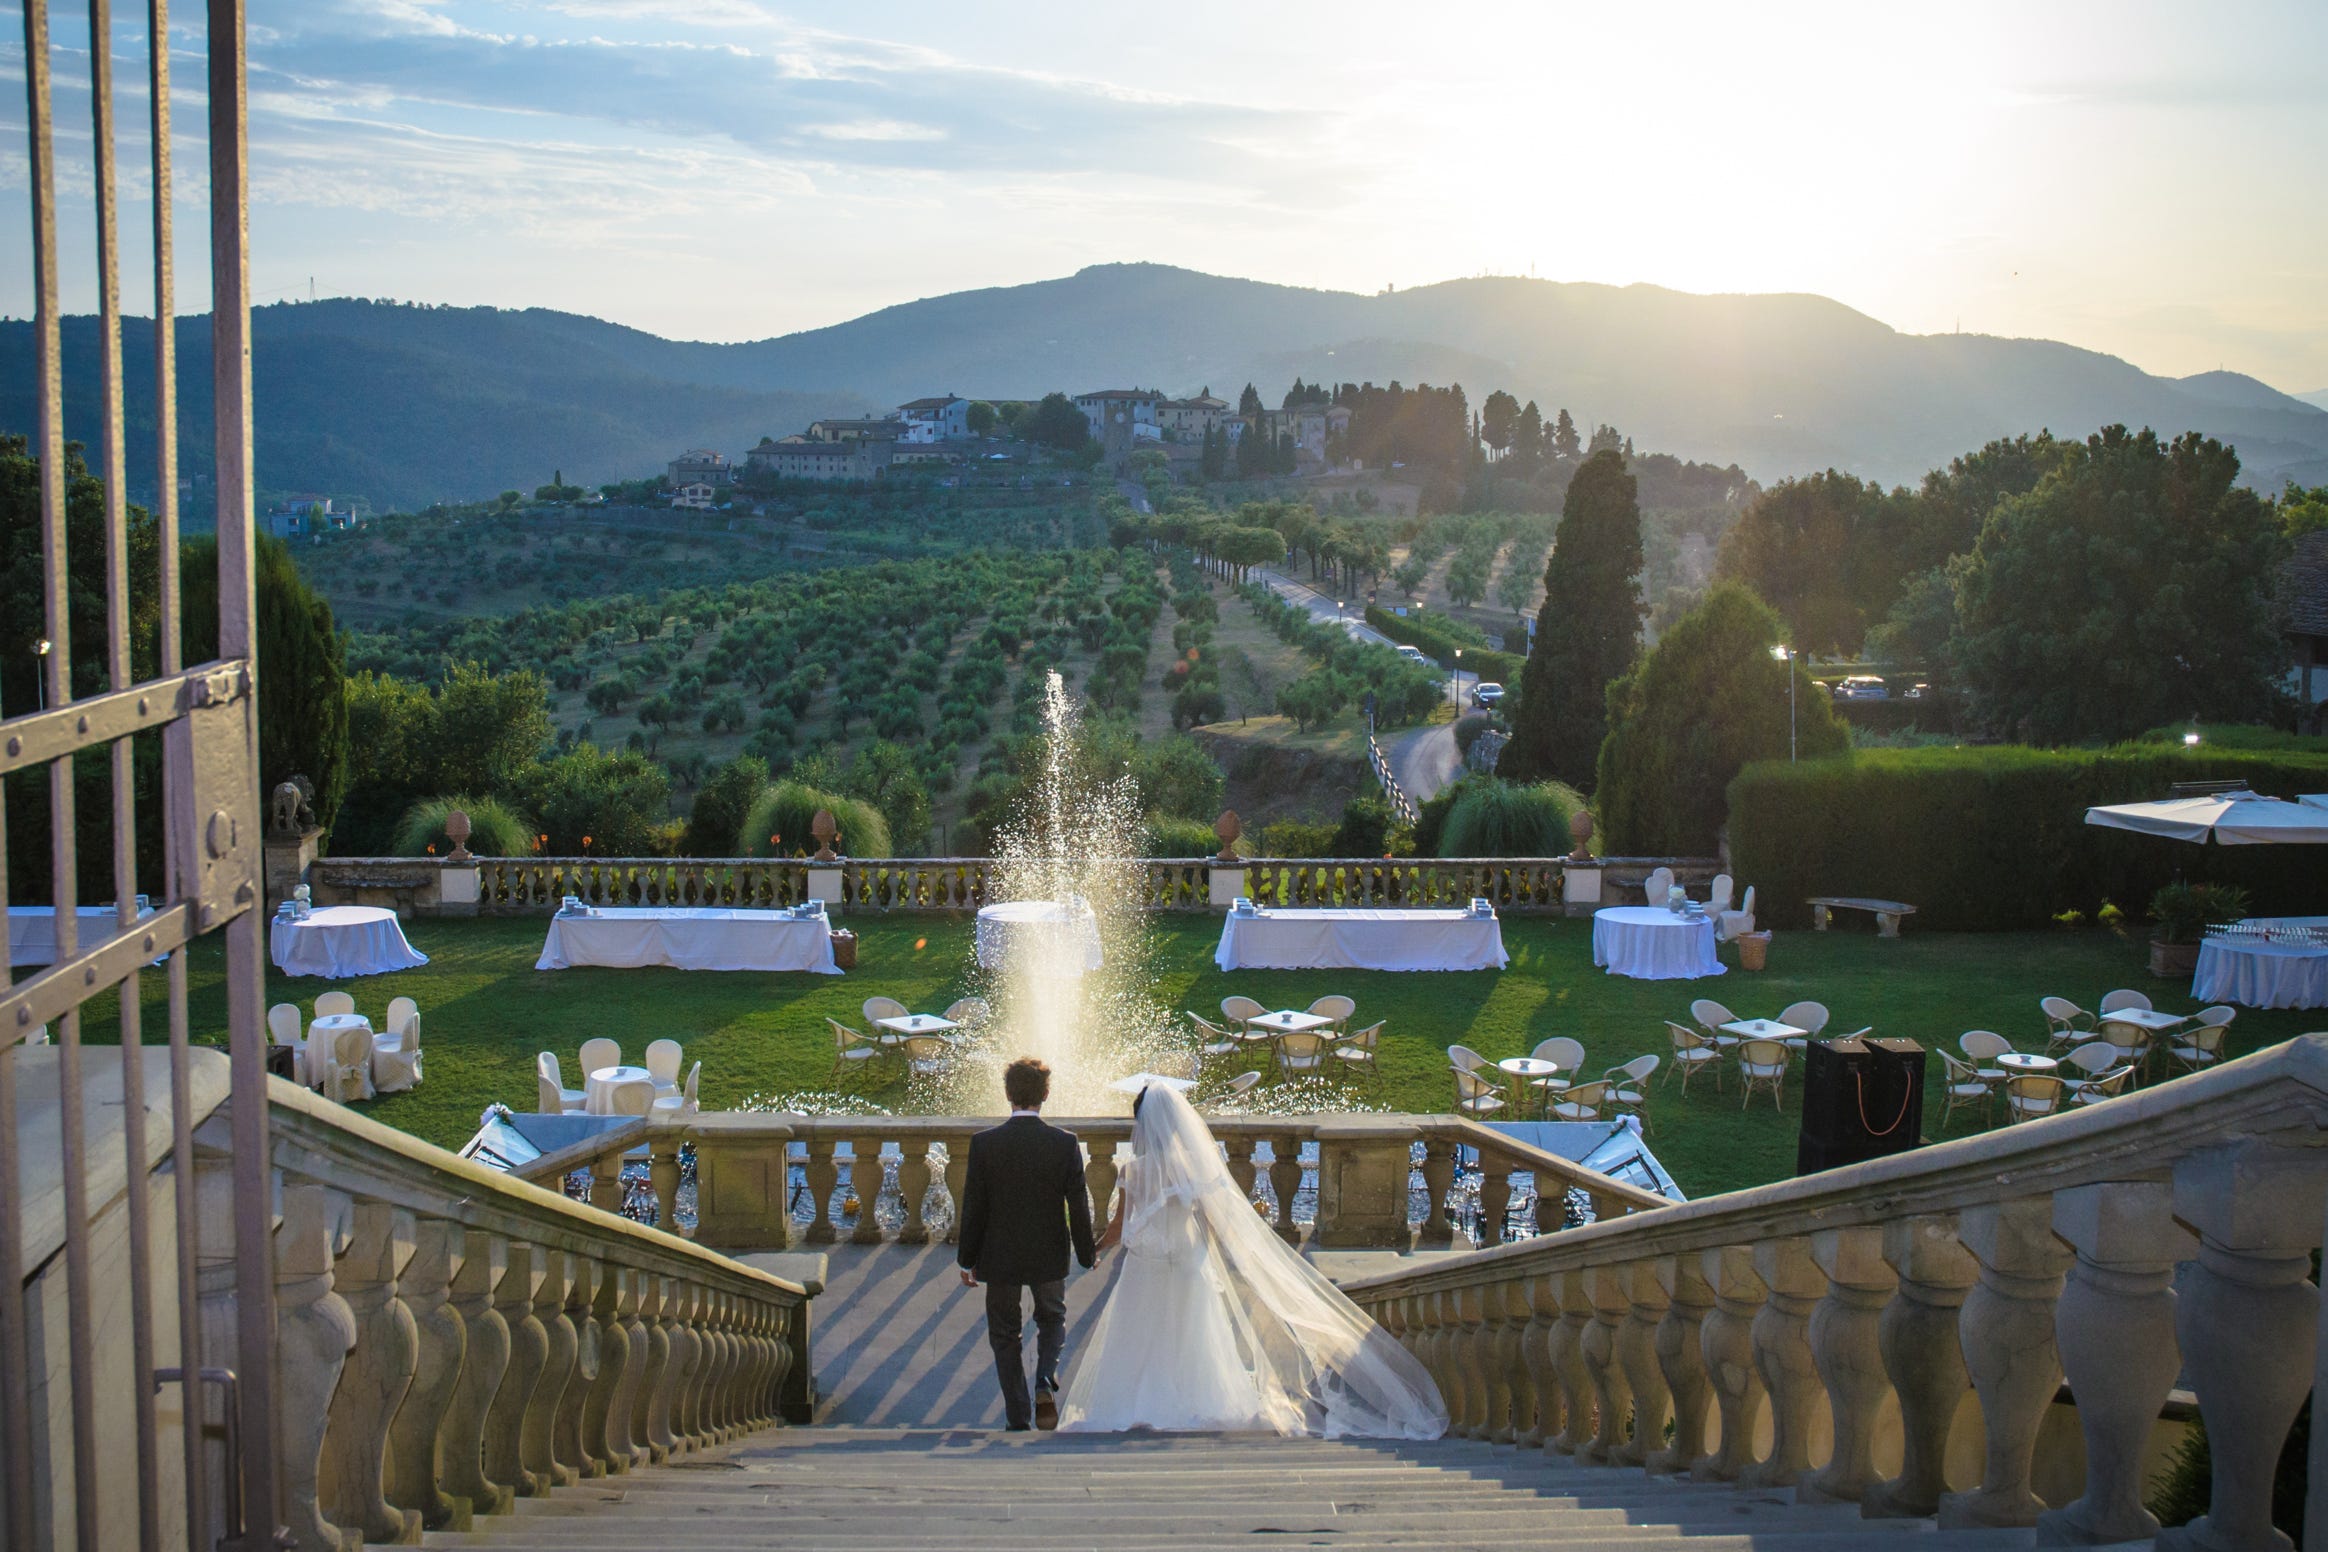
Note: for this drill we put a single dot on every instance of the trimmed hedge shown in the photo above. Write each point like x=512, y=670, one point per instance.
x=1438, y=643
x=1995, y=839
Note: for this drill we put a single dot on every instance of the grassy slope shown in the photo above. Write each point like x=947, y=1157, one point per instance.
x=487, y=1011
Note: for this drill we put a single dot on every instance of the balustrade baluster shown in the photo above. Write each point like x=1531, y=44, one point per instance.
x=2248, y=1319
x=824, y=1174
x=1495, y=1197
x=1241, y=1170
x=1924, y=1360
x=671, y=1426
x=663, y=1170
x=415, y=1461
x=1475, y=1351
x=1285, y=1180
x=1681, y=1360
x=732, y=1364
x=1454, y=1375
x=913, y=1188
x=484, y=1363
x=1604, y=1287
x=379, y=1371
x=515, y=1300
x=314, y=1331
x=2006, y=1328
x=1847, y=1347
x=957, y=1179
x=1099, y=1177
x=605, y=1420
x=1636, y=1347
x=865, y=1180
x=1782, y=1355
x=2114, y=1326
x=1515, y=1408
x=606, y=1189
x=653, y=1344
x=581, y=1316
x=1727, y=1342
x=1543, y=1304
x=549, y=1390
x=1568, y=1365
x=1438, y=1180
x=780, y=1360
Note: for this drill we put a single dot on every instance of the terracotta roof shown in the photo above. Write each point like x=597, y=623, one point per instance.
x=1119, y=393
x=930, y=404
x=2308, y=585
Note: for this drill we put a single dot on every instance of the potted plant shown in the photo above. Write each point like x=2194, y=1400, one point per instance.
x=2179, y=914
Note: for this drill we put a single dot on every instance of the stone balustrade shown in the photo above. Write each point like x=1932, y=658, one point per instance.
x=1360, y=1173
x=1828, y=1336
x=534, y=886
x=451, y=1339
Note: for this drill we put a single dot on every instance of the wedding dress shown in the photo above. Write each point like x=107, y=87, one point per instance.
x=1217, y=1325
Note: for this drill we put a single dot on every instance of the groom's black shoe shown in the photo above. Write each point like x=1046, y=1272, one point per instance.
x=1046, y=1410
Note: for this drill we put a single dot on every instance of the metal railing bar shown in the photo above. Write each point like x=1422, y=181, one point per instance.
x=186, y=1199
x=27, y=1005
x=37, y=737
x=15, y=1344
x=80, y=1292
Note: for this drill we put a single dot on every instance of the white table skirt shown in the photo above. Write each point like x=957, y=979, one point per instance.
x=32, y=930
x=1650, y=943
x=2258, y=974
x=630, y=937
x=1325, y=939
x=598, y=1087
x=1065, y=937
x=341, y=940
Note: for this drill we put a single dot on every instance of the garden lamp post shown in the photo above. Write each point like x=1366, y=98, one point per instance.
x=1786, y=655
x=1455, y=684
x=40, y=650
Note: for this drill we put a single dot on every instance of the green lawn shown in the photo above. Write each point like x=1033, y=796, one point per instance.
x=487, y=1011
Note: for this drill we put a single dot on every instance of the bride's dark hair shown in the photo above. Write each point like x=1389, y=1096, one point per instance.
x=1138, y=1100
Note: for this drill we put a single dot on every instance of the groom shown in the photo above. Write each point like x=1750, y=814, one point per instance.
x=1023, y=1204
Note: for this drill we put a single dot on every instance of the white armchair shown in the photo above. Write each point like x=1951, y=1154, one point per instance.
x=396, y=1057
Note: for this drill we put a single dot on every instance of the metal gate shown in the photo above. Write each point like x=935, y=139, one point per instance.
x=63, y=1465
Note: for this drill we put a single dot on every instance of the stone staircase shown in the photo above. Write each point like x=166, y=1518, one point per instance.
x=932, y=1490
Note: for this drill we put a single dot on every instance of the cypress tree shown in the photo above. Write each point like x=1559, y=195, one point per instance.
x=1588, y=632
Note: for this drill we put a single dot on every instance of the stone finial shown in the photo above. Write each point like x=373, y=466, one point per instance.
x=457, y=831
x=823, y=828
x=1228, y=827
x=1580, y=831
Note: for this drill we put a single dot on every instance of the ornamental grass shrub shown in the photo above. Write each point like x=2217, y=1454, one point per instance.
x=495, y=829
x=777, y=824
x=1505, y=819
x=1994, y=839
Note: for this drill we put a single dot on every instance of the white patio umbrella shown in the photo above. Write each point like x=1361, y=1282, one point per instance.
x=2228, y=818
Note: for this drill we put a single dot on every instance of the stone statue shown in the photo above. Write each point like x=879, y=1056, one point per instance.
x=292, y=813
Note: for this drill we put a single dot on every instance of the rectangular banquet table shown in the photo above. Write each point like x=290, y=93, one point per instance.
x=32, y=930
x=1361, y=940
x=628, y=937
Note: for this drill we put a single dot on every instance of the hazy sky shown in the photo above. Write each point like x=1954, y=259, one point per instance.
x=2150, y=180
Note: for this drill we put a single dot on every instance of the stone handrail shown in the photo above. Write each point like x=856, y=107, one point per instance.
x=1995, y=1262
x=743, y=1195
x=450, y=1339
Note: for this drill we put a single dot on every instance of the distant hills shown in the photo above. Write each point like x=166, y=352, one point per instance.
x=405, y=403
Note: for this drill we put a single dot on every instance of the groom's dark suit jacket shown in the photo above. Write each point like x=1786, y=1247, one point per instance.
x=1024, y=1204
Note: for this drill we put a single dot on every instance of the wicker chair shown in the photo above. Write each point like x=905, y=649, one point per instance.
x=2200, y=1045
x=2032, y=1094
x=1711, y=1016
x=1475, y=1096
x=2108, y=1086
x=1563, y=1053
x=1213, y=1041
x=1693, y=1052
x=851, y=1049
x=1984, y=1046
x=1762, y=1065
x=2065, y=1023
x=1336, y=1010
x=1301, y=1055
x=2119, y=1001
x=1966, y=1088
x=1629, y=1087
x=1583, y=1101
x=1360, y=1052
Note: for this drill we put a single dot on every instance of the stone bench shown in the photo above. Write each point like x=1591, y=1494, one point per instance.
x=1887, y=913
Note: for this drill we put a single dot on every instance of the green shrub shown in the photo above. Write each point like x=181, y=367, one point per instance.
x=1467, y=730
x=2181, y=912
x=495, y=829
x=1365, y=827
x=1504, y=819
x=1995, y=839
x=1296, y=838
x=721, y=803
x=1170, y=836
x=777, y=824
x=1438, y=637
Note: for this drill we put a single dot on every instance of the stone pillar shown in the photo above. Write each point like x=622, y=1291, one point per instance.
x=1647, y=1302
x=1568, y=1366
x=284, y=860
x=1543, y=1419
x=1847, y=1346
x=314, y=1331
x=1782, y=1356
x=529, y=1352
x=1612, y=1395
x=743, y=1186
x=416, y=1467
x=913, y=1189
x=1923, y=1359
x=2006, y=1330
x=1727, y=1343
x=2115, y=1329
x=549, y=1390
x=823, y=1175
x=457, y=889
x=1438, y=1180
x=866, y=1174
x=1580, y=888
x=1681, y=1359
x=379, y=1372
x=484, y=1361
x=2248, y=1318
x=1285, y=1180
x=1225, y=883
x=1363, y=1166
x=824, y=883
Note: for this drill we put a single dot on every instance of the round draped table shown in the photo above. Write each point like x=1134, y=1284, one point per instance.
x=2258, y=972
x=598, y=1089
x=340, y=941
x=1047, y=936
x=1650, y=943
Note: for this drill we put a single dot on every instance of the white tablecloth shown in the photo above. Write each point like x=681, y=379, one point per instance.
x=1361, y=940
x=1650, y=943
x=1064, y=939
x=628, y=937
x=32, y=930
x=341, y=940
x=598, y=1088
x=2258, y=974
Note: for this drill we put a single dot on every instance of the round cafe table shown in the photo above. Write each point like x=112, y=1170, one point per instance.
x=2021, y=1064
x=598, y=1089
x=1524, y=1070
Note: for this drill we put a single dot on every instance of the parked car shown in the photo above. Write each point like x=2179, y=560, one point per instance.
x=1415, y=655
x=1485, y=696
x=1861, y=687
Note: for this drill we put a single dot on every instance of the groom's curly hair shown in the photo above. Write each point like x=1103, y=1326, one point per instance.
x=1027, y=1083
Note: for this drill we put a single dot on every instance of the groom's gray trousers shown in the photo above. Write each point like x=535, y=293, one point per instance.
x=1005, y=1312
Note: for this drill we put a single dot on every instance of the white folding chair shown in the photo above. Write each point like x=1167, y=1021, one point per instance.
x=663, y=1059
x=556, y=1098
x=334, y=1002
x=598, y=1054
x=396, y=1056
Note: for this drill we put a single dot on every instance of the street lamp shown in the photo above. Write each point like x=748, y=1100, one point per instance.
x=1786, y=656
x=1455, y=684
x=40, y=649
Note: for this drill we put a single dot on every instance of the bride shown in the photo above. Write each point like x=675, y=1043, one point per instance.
x=1217, y=1325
